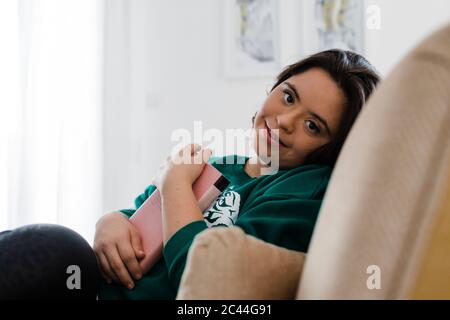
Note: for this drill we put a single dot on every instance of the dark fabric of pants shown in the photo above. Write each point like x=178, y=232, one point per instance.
x=45, y=261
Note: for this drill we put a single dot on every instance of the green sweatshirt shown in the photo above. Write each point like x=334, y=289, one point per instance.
x=281, y=209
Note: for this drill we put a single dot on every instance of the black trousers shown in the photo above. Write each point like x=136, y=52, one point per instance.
x=45, y=261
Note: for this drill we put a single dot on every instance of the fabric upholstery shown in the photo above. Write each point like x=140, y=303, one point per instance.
x=225, y=263
x=433, y=279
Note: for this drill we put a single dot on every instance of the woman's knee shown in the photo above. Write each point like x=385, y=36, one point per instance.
x=46, y=261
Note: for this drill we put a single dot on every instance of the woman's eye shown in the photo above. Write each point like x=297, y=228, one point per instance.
x=288, y=97
x=312, y=127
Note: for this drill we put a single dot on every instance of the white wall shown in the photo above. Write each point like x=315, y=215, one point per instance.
x=170, y=77
x=403, y=24
x=163, y=71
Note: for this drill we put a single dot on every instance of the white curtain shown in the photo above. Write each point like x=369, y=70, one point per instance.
x=51, y=69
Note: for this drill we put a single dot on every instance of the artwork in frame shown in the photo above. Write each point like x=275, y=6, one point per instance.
x=330, y=24
x=251, y=38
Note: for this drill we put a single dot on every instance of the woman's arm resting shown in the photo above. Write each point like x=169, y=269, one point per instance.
x=180, y=207
x=174, y=180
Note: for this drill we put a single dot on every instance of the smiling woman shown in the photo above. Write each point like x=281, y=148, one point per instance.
x=303, y=117
x=309, y=111
x=307, y=116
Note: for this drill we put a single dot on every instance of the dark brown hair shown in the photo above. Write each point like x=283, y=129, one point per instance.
x=355, y=76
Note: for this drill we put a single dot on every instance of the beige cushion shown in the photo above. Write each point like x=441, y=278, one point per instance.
x=225, y=263
x=433, y=278
x=384, y=194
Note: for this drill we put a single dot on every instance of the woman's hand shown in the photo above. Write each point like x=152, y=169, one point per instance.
x=183, y=168
x=174, y=181
x=118, y=248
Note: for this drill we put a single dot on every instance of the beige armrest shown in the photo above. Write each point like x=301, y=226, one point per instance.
x=225, y=263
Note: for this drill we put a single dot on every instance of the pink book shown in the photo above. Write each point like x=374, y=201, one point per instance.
x=148, y=218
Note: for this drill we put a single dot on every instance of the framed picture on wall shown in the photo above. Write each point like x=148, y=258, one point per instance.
x=251, y=38
x=329, y=24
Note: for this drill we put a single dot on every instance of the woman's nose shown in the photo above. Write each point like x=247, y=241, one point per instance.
x=286, y=122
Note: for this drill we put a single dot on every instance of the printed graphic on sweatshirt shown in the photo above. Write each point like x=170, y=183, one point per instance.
x=224, y=211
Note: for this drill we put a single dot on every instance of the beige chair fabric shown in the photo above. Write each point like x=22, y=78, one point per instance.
x=433, y=280
x=225, y=263
x=383, y=199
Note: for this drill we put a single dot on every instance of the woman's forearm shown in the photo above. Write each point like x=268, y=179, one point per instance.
x=179, y=208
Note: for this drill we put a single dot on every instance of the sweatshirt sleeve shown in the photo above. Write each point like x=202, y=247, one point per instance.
x=138, y=201
x=287, y=222
x=283, y=220
x=176, y=249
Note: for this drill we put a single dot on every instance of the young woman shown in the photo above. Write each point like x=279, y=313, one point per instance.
x=310, y=109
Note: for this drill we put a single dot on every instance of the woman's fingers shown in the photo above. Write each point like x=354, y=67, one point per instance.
x=106, y=268
x=206, y=154
x=118, y=267
x=192, y=148
x=194, y=152
x=128, y=257
x=202, y=156
x=189, y=149
x=103, y=274
x=184, y=156
x=136, y=243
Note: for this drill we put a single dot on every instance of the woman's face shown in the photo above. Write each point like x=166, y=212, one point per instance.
x=306, y=109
